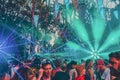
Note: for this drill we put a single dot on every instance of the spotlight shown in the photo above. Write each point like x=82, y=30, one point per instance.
x=95, y=54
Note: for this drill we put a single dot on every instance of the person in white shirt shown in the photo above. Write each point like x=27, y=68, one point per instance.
x=103, y=70
x=73, y=72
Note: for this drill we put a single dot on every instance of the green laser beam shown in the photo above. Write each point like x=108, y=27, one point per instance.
x=98, y=27
x=112, y=39
x=80, y=31
x=110, y=50
x=104, y=55
x=75, y=47
x=78, y=27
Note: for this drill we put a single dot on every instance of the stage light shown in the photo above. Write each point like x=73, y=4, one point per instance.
x=95, y=55
x=8, y=42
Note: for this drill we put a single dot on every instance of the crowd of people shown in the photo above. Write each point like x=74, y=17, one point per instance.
x=58, y=69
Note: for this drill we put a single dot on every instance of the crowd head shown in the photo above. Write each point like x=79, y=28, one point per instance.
x=73, y=71
x=47, y=67
x=114, y=59
x=24, y=73
x=81, y=69
x=89, y=64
